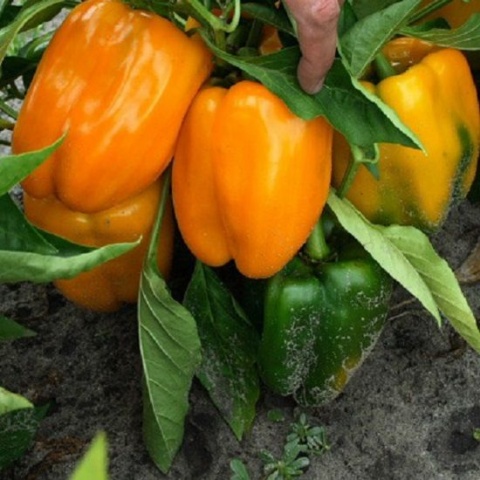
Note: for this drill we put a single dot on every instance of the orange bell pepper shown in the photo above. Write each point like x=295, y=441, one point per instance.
x=118, y=82
x=249, y=178
x=109, y=285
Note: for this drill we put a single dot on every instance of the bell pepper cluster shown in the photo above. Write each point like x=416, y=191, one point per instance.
x=133, y=93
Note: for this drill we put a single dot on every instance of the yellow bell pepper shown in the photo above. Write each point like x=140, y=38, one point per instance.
x=437, y=99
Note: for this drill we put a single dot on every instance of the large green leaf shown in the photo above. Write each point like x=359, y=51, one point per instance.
x=170, y=351
x=465, y=37
x=28, y=254
x=361, y=43
x=94, y=464
x=368, y=121
x=440, y=279
x=408, y=256
x=229, y=349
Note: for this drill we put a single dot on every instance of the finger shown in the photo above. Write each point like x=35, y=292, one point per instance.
x=317, y=35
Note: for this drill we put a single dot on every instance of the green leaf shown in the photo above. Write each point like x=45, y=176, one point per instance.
x=239, y=470
x=31, y=15
x=170, y=351
x=18, y=426
x=408, y=256
x=229, y=349
x=268, y=15
x=359, y=45
x=465, y=37
x=28, y=254
x=94, y=464
x=10, y=401
x=14, y=168
x=368, y=121
x=17, y=234
x=386, y=253
x=439, y=278
x=11, y=330
x=363, y=8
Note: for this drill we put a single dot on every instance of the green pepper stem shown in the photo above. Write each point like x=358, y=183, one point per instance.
x=237, y=11
x=383, y=67
x=348, y=177
x=435, y=5
x=359, y=155
x=316, y=247
x=217, y=23
x=207, y=17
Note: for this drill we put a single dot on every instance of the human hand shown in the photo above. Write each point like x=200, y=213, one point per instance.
x=317, y=35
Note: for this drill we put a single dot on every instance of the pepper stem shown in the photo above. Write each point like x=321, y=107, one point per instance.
x=316, y=247
x=348, y=177
x=217, y=23
x=369, y=154
x=383, y=67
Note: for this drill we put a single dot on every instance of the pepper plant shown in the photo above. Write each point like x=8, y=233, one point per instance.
x=210, y=87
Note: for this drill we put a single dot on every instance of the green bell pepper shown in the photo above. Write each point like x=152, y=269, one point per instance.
x=321, y=319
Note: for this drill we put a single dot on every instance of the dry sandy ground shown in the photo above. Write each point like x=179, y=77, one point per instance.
x=409, y=413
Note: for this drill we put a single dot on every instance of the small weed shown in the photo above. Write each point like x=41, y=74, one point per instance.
x=302, y=441
x=239, y=470
x=275, y=415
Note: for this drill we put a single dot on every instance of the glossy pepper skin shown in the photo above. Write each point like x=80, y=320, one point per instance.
x=107, y=286
x=249, y=178
x=436, y=98
x=320, y=322
x=118, y=81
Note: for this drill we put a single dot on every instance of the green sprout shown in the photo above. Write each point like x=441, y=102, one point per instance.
x=302, y=441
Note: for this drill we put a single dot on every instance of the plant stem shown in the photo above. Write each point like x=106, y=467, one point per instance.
x=152, y=247
x=316, y=247
x=383, y=67
x=359, y=155
x=4, y=107
x=237, y=11
x=348, y=176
